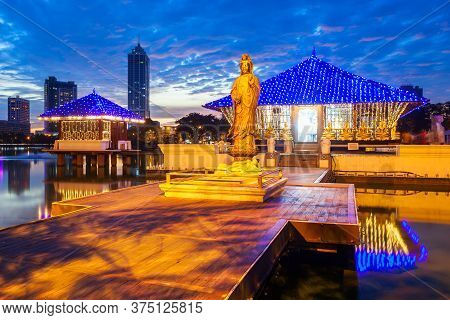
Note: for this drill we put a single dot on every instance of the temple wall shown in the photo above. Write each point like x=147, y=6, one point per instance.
x=81, y=145
x=424, y=160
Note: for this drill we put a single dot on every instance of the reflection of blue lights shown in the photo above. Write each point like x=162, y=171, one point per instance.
x=380, y=260
x=383, y=261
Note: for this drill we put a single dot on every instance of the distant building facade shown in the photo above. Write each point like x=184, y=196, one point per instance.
x=8, y=127
x=416, y=89
x=57, y=93
x=19, y=114
x=138, y=82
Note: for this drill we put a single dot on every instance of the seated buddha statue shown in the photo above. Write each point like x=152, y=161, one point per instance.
x=346, y=132
x=382, y=132
x=363, y=132
x=328, y=132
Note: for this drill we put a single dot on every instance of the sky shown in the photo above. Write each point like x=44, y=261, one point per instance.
x=195, y=46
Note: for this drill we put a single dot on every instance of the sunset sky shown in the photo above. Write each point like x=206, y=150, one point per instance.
x=194, y=46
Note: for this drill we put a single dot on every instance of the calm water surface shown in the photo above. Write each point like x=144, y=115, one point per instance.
x=29, y=183
x=404, y=253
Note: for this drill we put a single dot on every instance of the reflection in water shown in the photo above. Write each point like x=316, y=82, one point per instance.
x=30, y=183
x=403, y=254
x=386, y=247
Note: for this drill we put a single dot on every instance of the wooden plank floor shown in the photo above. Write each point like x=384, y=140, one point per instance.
x=136, y=244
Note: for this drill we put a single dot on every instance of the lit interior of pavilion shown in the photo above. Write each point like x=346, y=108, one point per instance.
x=314, y=100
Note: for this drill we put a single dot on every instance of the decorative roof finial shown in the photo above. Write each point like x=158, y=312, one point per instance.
x=93, y=91
x=313, y=54
x=139, y=40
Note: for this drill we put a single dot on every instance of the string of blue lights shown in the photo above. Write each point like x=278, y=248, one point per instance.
x=315, y=81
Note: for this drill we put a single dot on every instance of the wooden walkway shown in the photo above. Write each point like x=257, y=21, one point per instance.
x=136, y=244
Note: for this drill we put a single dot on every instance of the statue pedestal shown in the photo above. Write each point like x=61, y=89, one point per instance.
x=255, y=187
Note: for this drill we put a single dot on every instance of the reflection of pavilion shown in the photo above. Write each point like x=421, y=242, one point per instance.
x=315, y=98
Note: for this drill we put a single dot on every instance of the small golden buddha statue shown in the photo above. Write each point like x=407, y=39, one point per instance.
x=382, y=132
x=394, y=134
x=346, y=132
x=269, y=132
x=363, y=132
x=328, y=132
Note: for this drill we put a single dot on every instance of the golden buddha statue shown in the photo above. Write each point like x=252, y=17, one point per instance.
x=245, y=95
x=363, y=132
x=382, y=132
x=346, y=132
x=328, y=132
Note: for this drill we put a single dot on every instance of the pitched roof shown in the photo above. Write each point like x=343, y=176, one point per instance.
x=92, y=106
x=315, y=81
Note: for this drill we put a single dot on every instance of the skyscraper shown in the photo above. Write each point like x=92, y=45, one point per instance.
x=138, y=82
x=19, y=113
x=57, y=93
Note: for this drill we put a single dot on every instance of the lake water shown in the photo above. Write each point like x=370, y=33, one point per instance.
x=29, y=183
x=404, y=253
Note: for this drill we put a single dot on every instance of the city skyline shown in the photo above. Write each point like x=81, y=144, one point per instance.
x=409, y=45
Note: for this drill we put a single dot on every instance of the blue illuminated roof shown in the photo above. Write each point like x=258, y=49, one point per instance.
x=315, y=81
x=92, y=106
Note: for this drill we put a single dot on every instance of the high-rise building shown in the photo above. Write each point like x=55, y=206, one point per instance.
x=19, y=113
x=138, y=82
x=57, y=93
x=416, y=89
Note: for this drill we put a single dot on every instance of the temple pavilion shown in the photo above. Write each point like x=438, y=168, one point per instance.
x=315, y=99
x=91, y=123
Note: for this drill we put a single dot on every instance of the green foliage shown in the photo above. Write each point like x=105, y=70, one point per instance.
x=420, y=119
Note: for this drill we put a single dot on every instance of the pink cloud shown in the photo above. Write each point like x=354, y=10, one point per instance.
x=370, y=39
x=329, y=29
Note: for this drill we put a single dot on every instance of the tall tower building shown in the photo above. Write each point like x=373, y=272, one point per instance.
x=19, y=112
x=57, y=93
x=138, y=82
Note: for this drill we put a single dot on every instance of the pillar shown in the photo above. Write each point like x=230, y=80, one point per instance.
x=79, y=160
x=101, y=160
x=73, y=158
x=142, y=162
x=60, y=160
x=126, y=161
x=113, y=160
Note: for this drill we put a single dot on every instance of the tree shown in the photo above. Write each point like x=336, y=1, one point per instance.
x=420, y=119
x=202, y=128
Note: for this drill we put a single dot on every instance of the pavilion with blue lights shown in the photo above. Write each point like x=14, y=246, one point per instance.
x=91, y=123
x=315, y=99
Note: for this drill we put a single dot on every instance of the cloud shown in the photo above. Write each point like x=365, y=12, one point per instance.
x=324, y=29
x=370, y=39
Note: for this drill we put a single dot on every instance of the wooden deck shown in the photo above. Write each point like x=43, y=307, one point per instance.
x=136, y=244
